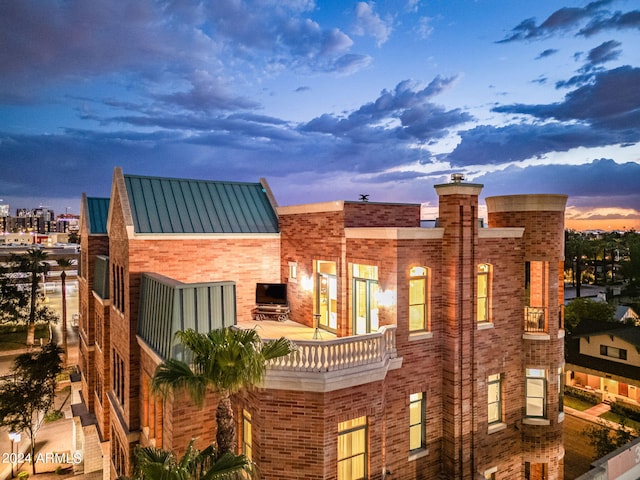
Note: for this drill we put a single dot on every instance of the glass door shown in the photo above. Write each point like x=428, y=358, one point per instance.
x=365, y=299
x=327, y=295
x=328, y=301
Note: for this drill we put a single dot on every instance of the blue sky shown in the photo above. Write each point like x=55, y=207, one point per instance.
x=327, y=100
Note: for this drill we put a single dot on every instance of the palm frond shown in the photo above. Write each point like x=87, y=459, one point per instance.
x=177, y=375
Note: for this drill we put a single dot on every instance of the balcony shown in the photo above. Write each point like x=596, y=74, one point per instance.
x=535, y=322
x=329, y=363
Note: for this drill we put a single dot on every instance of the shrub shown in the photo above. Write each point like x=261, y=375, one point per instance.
x=584, y=395
x=626, y=410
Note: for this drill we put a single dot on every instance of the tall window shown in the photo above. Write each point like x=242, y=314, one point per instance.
x=484, y=291
x=327, y=294
x=417, y=421
x=365, y=303
x=536, y=392
x=246, y=435
x=352, y=449
x=494, y=400
x=560, y=390
x=418, y=299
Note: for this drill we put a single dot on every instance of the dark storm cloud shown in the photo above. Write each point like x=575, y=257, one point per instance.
x=605, y=52
x=606, y=182
x=420, y=119
x=610, y=102
x=488, y=145
x=547, y=53
x=617, y=21
x=558, y=22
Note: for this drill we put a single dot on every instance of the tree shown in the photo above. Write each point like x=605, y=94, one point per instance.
x=18, y=304
x=13, y=301
x=585, y=309
x=151, y=463
x=64, y=263
x=577, y=249
x=605, y=439
x=33, y=263
x=224, y=360
x=29, y=395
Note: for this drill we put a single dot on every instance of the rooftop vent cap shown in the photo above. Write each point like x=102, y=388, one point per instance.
x=457, y=177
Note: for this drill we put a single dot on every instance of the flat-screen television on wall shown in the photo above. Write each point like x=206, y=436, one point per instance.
x=271, y=293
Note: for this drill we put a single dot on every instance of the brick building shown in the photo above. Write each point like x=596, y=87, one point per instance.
x=439, y=352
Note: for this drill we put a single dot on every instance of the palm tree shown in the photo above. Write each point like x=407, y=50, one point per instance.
x=153, y=463
x=224, y=360
x=64, y=263
x=33, y=263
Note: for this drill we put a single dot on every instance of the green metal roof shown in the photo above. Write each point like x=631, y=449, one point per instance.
x=98, y=210
x=171, y=205
x=168, y=306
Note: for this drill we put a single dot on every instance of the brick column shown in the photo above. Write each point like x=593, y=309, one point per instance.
x=458, y=215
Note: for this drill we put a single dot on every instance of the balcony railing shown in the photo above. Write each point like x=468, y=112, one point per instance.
x=535, y=319
x=339, y=354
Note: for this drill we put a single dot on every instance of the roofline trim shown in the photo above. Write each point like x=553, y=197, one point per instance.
x=200, y=236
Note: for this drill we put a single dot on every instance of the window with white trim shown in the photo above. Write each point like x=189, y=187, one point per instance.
x=417, y=421
x=536, y=392
x=494, y=398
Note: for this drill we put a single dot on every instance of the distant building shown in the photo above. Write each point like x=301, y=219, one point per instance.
x=606, y=362
x=441, y=352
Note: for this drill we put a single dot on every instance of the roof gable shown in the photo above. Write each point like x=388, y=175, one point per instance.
x=97, y=212
x=171, y=205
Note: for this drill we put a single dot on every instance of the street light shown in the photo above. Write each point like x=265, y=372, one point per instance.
x=15, y=438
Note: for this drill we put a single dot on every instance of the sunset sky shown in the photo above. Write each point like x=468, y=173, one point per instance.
x=327, y=100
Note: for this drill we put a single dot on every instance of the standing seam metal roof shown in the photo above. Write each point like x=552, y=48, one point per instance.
x=98, y=211
x=171, y=205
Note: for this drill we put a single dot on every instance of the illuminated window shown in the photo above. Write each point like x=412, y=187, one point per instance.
x=365, y=299
x=293, y=272
x=417, y=421
x=536, y=392
x=418, y=299
x=246, y=435
x=352, y=449
x=484, y=292
x=494, y=400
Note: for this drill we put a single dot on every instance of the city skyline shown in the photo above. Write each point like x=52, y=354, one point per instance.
x=326, y=100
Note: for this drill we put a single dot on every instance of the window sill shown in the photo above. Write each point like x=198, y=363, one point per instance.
x=485, y=325
x=418, y=454
x=414, y=337
x=536, y=421
x=536, y=336
x=496, y=427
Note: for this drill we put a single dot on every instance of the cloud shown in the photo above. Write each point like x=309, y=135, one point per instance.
x=419, y=118
x=605, y=52
x=559, y=21
x=369, y=23
x=610, y=102
x=609, y=184
x=547, y=53
x=154, y=45
x=208, y=93
x=617, y=21
x=424, y=28
x=489, y=145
